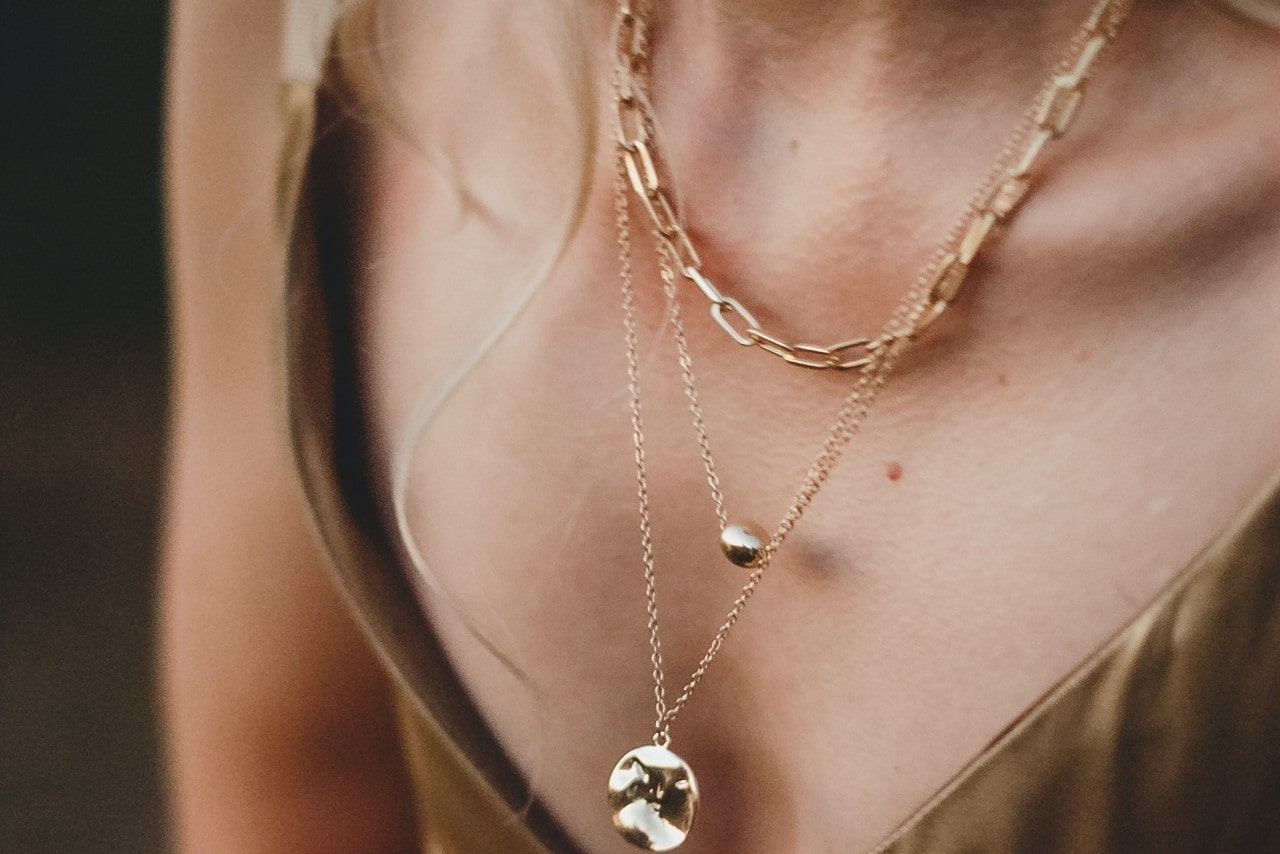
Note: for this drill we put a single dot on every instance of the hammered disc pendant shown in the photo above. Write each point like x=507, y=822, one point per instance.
x=654, y=798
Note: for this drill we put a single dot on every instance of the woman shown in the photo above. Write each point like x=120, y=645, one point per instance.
x=995, y=627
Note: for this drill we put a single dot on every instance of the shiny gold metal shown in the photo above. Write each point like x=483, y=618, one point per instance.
x=947, y=281
x=652, y=791
x=629, y=116
x=1049, y=117
x=879, y=358
x=654, y=797
x=824, y=359
x=683, y=250
x=708, y=288
x=663, y=215
x=1031, y=153
x=937, y=284
x=743, y=544
x=1059, y=107
x=722, y=311
x=975, y=236
x=813, y=356
x=866, y=345
x=1084, y=62
x=1106, y=18
x=929, y=316
x=1006, y=196
x=640, y=168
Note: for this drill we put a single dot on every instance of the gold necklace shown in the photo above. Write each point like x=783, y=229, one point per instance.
x=652, y=791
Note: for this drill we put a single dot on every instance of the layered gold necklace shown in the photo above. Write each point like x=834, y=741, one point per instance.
x=652, y=791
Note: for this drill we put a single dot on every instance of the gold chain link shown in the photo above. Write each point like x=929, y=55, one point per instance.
x=998, y=196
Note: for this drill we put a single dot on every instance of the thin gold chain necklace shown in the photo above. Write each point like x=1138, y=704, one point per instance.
x=652, y=791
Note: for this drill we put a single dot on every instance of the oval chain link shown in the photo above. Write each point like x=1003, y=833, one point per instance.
x=1052, y=113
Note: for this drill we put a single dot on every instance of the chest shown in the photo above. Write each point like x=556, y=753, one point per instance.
x=1027, y=481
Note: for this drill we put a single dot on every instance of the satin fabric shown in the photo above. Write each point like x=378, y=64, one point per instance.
x=1164, y=740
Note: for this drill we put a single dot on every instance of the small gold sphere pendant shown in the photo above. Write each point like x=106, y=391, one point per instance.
x=654, y=798
x=744, y=544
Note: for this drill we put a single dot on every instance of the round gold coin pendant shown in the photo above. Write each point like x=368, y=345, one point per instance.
x=743, y=544
x=654, y=798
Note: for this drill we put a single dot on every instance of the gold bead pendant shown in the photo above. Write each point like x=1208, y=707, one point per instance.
x=743, y=544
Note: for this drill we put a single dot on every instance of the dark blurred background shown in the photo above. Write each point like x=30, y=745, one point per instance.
x=82, y=382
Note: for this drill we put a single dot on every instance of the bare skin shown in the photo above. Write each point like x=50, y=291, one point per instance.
x=280, y=733
x=1103, y=401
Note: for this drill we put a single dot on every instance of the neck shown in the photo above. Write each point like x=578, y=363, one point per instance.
x=805, y=129
x=905, y=43
x=737, y=76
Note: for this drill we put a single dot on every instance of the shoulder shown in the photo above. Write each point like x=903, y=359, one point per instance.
x=263, y=669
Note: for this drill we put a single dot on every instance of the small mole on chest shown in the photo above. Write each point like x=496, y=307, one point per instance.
x=893, y=471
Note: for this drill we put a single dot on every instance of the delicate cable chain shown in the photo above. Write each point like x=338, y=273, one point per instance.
x=937, y=286
x=622, y=221
x=668, y=275
x=854, y=411
x=939, y=283
x=857, y=405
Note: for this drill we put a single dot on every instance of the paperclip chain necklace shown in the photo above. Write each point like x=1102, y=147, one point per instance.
x=653, y=792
